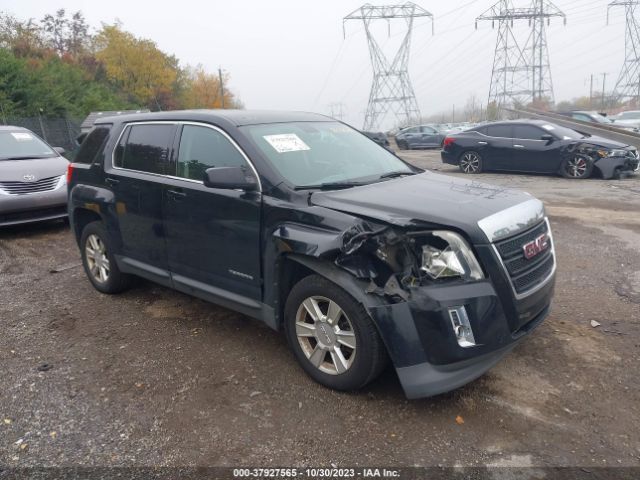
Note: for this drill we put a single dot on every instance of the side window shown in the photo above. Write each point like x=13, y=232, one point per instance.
x=92, y=144
x=145, y=148
x=580, y=116
x=503, y=131
x=428, y=130
x=202, y=148
x=527, y=132
x=482, y=130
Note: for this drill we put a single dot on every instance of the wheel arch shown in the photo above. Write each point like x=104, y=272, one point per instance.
x=80, y=217
x=295, y=267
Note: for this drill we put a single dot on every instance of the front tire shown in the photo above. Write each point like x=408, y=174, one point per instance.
x=576, y=167
x=332, y=336
x=99, y=262
x=470, y=162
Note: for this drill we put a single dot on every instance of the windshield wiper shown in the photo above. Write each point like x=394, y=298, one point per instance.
x=330, y=186
x=396, y=174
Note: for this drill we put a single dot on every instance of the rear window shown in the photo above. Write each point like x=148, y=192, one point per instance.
x=92, y=144
x=145, y=148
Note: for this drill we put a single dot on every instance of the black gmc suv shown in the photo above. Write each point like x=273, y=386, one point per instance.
x=308, y=225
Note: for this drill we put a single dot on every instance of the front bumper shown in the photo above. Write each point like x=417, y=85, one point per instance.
x=609, y=167
x=33, y=207
x=421, y=341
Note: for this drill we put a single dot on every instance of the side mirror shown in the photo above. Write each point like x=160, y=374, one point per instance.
x=230, y=178
x=547, y=138
x=60, y=150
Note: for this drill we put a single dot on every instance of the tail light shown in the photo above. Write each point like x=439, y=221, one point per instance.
x=447, y=141
x=69, y=173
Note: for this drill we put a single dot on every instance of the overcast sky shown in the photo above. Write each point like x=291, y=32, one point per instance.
x=291, y=54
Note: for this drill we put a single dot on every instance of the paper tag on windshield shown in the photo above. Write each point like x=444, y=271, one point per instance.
x=286, y=142
x=22, y=136
x=548, y=127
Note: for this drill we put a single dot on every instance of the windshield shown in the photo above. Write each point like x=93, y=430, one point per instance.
x=563, y=132
x=316, y=153
x=600, y=118
x=19, y=145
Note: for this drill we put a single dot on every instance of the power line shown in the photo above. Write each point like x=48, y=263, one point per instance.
x=521, y=74
x=628, y=84
x=391, y=91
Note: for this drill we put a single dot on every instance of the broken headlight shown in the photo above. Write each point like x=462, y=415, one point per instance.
x=612, y=153
x=449, y=256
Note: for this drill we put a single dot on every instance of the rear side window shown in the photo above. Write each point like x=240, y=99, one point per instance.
x=499, y=131
x=527, y=132
x=202, y=148
x=92, y=144
x=145, y=148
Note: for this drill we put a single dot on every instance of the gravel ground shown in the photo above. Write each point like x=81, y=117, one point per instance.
x=156, y=378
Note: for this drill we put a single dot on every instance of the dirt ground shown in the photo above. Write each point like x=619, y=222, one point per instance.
x=153, y=377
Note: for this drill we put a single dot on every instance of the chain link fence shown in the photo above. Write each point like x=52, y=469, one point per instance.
x=57, y=132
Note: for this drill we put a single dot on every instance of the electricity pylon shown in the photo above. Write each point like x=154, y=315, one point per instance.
x=628, y=84
x=391, y=90
x=521, y=71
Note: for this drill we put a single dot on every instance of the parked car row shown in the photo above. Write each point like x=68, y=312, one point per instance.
x=538, y=146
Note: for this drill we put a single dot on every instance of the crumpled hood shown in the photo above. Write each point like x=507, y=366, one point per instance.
x=438, y=200
x=15, y=170
x=596, y=141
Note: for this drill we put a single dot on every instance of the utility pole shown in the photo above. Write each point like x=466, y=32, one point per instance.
x=391, y=90
x=591, y=92
x=628, y=84
x=221, y=86
x=521, y=74
x=604, y=82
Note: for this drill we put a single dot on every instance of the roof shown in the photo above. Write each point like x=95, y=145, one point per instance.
x=12, y=128
x=95, y=116
x=235, y=117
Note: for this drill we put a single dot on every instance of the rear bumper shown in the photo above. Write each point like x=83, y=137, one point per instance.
x=34, y=207
x=448, y=157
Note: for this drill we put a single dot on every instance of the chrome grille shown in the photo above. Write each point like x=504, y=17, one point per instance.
x=23, y=188
x=526, y=274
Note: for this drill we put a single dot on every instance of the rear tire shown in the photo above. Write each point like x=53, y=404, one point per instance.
x=332, y=335
x=470, y=162
x=98, y=260
x=576, y=167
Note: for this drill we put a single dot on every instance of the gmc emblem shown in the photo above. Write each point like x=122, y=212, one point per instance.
x=536, y=246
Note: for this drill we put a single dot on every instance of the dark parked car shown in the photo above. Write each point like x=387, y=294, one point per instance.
x=302, y=222
x=32, y=178
x=380, y=138
x=421, y=136
x=539, y=147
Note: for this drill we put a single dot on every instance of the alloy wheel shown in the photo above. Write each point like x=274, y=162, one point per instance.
x=470, y=162
x=325, y=335
x=97, y=260
x=576, y=167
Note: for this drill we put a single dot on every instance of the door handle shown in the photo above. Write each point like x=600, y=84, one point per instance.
x=176, y=195
x=518, y=146
x=111, y=181
x=482, y=143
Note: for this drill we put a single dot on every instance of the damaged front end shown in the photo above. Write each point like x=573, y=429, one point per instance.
x=396, y=262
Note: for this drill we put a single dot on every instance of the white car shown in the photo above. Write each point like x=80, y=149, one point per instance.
x=630, y=118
